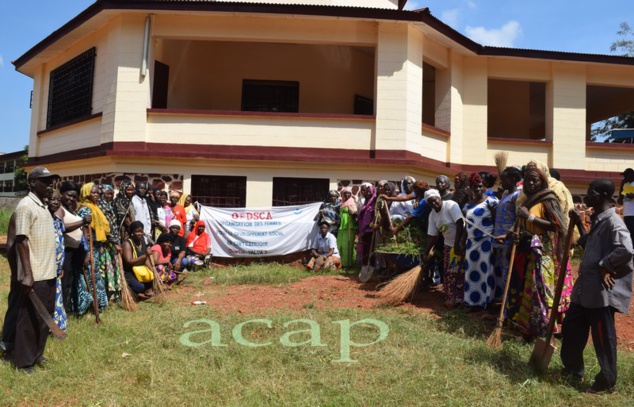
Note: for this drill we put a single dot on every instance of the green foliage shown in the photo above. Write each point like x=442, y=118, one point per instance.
x=410, y=241
x=625, y=47
x=20, y=176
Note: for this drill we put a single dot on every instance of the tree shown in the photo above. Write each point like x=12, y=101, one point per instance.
x=624, y=46
x=19, y=175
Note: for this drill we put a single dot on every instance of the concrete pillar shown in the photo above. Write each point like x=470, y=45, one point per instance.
x=470, y=144
x=399, y=90
x=566, y=115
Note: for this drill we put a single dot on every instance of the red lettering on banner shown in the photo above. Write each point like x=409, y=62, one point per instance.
x=259, y=216
x=235, y=216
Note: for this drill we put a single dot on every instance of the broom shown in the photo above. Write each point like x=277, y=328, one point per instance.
x=501, y=158
x=157, y=283
x=401, y=288
x=127, y=300
x=495, y=339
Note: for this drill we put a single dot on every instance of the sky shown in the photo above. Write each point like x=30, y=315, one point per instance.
x=587, y=26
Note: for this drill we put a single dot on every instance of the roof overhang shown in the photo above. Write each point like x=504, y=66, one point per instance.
x=102, y=11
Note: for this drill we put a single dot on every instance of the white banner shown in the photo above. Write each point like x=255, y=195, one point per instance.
x=260, y=232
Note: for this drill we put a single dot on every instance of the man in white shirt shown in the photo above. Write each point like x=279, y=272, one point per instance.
x=34, y=269
x=141, y=208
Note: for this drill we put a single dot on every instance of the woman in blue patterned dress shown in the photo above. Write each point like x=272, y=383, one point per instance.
x=504, y=221
x=479, y=287
x=54, y=203
x=88, y=198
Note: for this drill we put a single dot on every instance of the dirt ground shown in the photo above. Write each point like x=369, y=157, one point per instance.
x=329, y=292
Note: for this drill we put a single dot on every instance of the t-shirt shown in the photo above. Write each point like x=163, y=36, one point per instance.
x=323, y=244
x=178, y=245
x=33, y=220
x=157, y=249
x=628, y=205
x=444, y=222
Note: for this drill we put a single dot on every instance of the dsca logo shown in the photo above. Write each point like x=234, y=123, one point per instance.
x=252, y=215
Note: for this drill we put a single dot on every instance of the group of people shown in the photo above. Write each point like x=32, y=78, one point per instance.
x=473, y=229
x=75, y=247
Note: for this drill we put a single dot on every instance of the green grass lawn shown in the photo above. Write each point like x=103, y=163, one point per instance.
x=5, y=215
x=139, y=359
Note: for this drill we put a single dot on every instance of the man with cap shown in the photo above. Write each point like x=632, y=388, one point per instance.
x=604, y=287
x=33, y=244
x=627, y=199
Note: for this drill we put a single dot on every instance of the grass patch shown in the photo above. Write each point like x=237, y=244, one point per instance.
x=5, y=215
x=138, y=359
x=260, y=274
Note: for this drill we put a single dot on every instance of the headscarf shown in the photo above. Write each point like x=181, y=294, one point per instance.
x=188, y=208
x=409, y=179
x=474, y=179
x=330, y=211
x=551, y=204
x=431, y=193
x=349, y=203
x=122, y=205
x=175, y=222
x=108, y=210
x=366, y=214
x=99, y=221
x=558, y=187
x=199, y=242
x=176, y=194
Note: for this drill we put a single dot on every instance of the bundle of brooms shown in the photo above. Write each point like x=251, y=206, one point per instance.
x=402, y=288
x=127, y=299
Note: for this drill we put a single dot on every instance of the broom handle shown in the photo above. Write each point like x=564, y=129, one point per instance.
x=508, y=277
x=560, y=284
x=95, y=306
x=372, y=240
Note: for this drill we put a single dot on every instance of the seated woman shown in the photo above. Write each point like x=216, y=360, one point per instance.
x=199, y=246
x=179, y=247
x=162, y=254
x=136, y=253
x=324, y=254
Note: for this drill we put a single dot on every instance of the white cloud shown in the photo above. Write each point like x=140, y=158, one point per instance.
x=451, y=17
x=472, y=4
x=1, y=61
x=497, y=37
x=414, y=4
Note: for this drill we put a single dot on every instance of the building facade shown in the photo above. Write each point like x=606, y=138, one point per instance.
x=254, y=103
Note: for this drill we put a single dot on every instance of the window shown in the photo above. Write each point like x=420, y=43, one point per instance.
x=516, y=109
x=363, y=105
x=299, y=191
x=70, y=89
x=270, y=96
x=220, y=191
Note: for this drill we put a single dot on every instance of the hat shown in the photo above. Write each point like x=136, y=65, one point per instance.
x=41, y=172
x=628, y=171
x=430, y=193
x=175, y=222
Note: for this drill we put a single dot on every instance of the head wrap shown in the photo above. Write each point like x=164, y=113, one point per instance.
x=349, y=203
x=443, y=177
x=475, y=179
x=366, y=214
x=99, y=221
x=409, y=179
x=176, y=222
x=431, y=193
x=175, y=193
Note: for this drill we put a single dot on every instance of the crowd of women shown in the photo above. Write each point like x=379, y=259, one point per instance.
x=105, y=242
x=470, y=230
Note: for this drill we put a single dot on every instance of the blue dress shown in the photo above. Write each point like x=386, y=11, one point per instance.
x=479, y=285
x=59, y=315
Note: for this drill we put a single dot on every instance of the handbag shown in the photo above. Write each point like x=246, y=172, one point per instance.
x=141, y=272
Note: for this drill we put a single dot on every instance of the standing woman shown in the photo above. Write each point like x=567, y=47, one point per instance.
x=191, y=214
x=54, y=204
x=366, y=225
x=88, y=199
x=537, y=258
x=329, y=211
x=504, y=220
x=124, y=208
x=109, y=252
x=74, y=252
x=347, y=228
x=401, y=210
x=479, y=212
x=179, y=212
x=462, y=193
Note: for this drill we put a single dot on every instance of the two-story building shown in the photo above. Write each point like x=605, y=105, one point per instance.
x=253, y=103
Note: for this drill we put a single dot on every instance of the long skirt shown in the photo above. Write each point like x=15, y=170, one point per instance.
x=59, y=316
x=82, y=291
x=454, y=277
x=501, y=265
x=107, y=262
x=345, y=240
x=535, y=271
x=479, y=286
